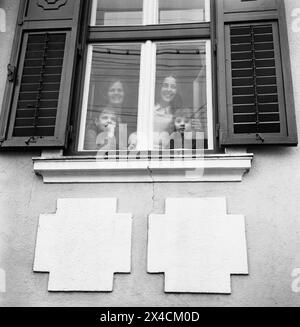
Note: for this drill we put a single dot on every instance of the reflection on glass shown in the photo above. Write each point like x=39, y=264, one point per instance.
x=180, y=112
x=113, y=97
x=119, y=13
x=182, y=11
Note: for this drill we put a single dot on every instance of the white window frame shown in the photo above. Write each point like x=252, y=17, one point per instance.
x=146, y=102
x=149, y=12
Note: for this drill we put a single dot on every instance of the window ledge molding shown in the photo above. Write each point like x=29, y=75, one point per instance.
x=228, y=167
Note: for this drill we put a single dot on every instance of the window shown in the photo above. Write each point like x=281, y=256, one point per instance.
x=150, y=94
x=148, y=75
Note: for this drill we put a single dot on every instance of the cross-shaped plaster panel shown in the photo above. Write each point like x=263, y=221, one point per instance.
x=197, y=245
x=83, y=245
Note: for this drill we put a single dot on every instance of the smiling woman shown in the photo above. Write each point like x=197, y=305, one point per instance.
x=169, y=101
x=116, y=93
x=163, y=112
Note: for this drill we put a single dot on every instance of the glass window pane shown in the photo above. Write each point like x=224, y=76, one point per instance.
x=119, y=13
x=113, y=97
x=183, y=11
x=180, y=112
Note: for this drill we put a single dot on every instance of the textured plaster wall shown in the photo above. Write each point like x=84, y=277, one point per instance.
x=268, y=197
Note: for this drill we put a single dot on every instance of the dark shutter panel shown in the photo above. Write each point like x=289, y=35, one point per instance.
x=254, y=83
x=40, y=84
x=39, y=95
x=258, y=109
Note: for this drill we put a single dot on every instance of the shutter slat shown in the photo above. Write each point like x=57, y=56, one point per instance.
x=34, y=79
x=251, y=117
x=48, y=70
x=40, y=131
x=40, y=122
x=49, y=63
x=28, y=113
x=39, y=47
x=43, y=96
x=42, y=104
x=51, y=54
x=46, y=87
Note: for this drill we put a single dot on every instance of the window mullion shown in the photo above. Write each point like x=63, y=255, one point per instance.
x=150, y=12
x=155, y=18
x=94, y=13
x=151, y=95
x=207, y=10
x=146, y=96
x=85, y=97
x=209, y=84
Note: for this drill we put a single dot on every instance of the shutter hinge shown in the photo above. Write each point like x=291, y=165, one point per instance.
x=11, y=73
x=259, y=138
x=80, y=50
x=70, y=133
x=218, y=130
x=31, y=140
x=215, y=46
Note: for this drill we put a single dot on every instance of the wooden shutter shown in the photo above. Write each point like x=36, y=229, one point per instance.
x=256, y=75
x=38, y=95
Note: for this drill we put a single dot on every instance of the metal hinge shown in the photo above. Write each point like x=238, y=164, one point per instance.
x=11, y=73
x=260, y=138
x=80, y=50
x=215, y=46
x=70, y=132
x=31, y=140
x=218, y=130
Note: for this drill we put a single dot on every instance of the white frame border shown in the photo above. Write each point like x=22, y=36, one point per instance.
x=209, y=96
x=228, y=167
x=150, y=12
x=86, y=91
x=146, y=100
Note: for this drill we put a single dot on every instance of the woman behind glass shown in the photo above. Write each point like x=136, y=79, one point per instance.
x=101, y=132
x=168, y=102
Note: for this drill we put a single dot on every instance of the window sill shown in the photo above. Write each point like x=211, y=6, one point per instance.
x=228, y=167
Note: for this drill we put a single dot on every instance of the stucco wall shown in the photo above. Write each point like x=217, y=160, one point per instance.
x=268, y=197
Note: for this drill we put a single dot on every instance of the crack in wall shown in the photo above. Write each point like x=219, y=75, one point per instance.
x=153, y=189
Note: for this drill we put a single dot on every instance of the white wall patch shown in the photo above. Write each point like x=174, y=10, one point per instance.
x=83, y=245
x=2, y=20
x=2, y=281
x=197, y=245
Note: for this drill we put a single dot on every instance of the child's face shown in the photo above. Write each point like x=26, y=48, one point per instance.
x=107, y=121
x=183, y=124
